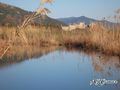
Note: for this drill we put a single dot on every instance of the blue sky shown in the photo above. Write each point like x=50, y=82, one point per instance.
x=68, y=8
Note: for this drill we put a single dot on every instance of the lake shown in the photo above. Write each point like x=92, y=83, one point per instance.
x=61, y=70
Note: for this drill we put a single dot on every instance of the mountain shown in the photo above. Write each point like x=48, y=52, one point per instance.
x=86, y=20
x=72, y=20
x=48, y=21
x=13, y=16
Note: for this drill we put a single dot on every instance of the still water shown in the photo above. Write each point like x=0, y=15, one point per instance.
x=61, y=70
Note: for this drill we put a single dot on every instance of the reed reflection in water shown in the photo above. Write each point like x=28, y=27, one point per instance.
x=61, y=69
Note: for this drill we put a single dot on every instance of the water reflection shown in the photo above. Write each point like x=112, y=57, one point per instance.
x=107, y=66
x=103, y=65
x=61, y=69
x=36, y=52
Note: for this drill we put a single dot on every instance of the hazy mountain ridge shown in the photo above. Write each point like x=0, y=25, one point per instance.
x=72, y=20
x=11, y=15
x=86, y=20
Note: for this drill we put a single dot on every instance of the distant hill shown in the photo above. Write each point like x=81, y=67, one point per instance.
x=72, y=20
x=86, y=20
x=11, y=15
x=45, y=20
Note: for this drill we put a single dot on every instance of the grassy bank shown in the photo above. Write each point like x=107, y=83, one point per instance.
x=97, y=38
x=37, y=39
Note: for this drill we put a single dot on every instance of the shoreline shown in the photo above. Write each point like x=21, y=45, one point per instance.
x=101, y=41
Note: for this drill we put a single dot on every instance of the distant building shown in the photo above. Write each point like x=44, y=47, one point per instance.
x=81, y=25
x=72, y=27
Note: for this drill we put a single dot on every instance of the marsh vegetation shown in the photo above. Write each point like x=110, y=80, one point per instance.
x=99, y=39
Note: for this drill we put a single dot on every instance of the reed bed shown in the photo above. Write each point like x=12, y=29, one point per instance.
x=97, y=38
